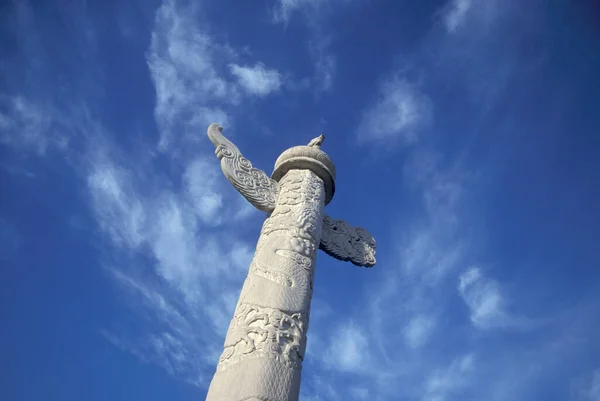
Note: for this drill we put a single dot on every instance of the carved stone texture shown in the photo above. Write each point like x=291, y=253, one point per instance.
x=260, y=190
x=347, y=243
x=264, y=332
x=307, y=158
x=265, y=344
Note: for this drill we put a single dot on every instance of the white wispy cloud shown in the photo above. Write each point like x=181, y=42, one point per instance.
x=347, y=350
x=315, y=14
x=183, y=65
x=118, y=211
x=31, y=126
x=455, y=13
x=359, y=393
x=201, y=180
x=429, y=253
x=257, y=80
x=399, y=113
x=473, y=18
x=284, y=9
x=189, y=280
x=171, y=224
x=325, y=63
x=172, y=342
x=592, y=392
x=487, y=305
x=417, y=331
x=586, y=387
x=466, y=51
x=483, y=298
x=319, y=389
x=434, y=246
x=443, y=382
x=189, y=68
x=204, y=116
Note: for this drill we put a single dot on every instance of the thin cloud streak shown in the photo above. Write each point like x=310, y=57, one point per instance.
x=183, y=64
x=315, y=14
x=417, y=331
x=456, y=13
x=487, y=305
x=347, y=349
x=187, y=265
x=398, y=114
x=591, y=392
x=257, y=80
x=284, y=9
x=28, y=125
x=189, y=69
x=443, y=382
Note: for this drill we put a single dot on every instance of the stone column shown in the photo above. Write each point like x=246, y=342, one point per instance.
x=266, y=341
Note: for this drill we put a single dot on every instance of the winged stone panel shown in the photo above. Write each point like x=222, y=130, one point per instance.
x=347, y=243
x=254, y=185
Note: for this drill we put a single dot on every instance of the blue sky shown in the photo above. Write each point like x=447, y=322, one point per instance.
x=465, y=136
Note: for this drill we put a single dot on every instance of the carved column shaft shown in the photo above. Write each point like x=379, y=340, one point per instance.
x=266, y=340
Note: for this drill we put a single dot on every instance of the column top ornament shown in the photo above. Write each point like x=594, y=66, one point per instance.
x=338, y=238
x=309, y=157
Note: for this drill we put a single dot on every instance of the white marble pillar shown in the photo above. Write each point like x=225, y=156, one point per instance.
x=266, y=341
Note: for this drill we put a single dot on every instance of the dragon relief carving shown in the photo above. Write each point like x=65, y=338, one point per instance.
x=288, y=242
x=259, y=332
